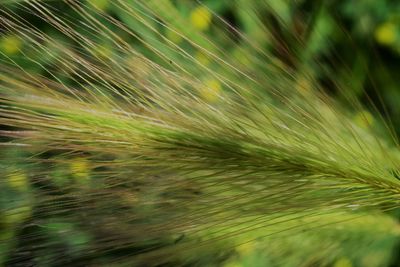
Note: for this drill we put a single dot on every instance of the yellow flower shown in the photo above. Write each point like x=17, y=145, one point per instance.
x=11, y=44
x=200, y=18
x=386, y=33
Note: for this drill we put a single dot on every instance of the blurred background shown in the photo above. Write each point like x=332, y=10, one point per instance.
x=349, y=47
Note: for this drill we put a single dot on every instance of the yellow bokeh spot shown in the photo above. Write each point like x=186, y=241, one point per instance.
x=211, y=90
x=202, y=58
x=18, y=180
x=173, y=36
x=80, y=168
x=343, y=262
x=386, y=33
x=200, y=18
x=10, y=44
x=364, y=119
x=99, y=4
